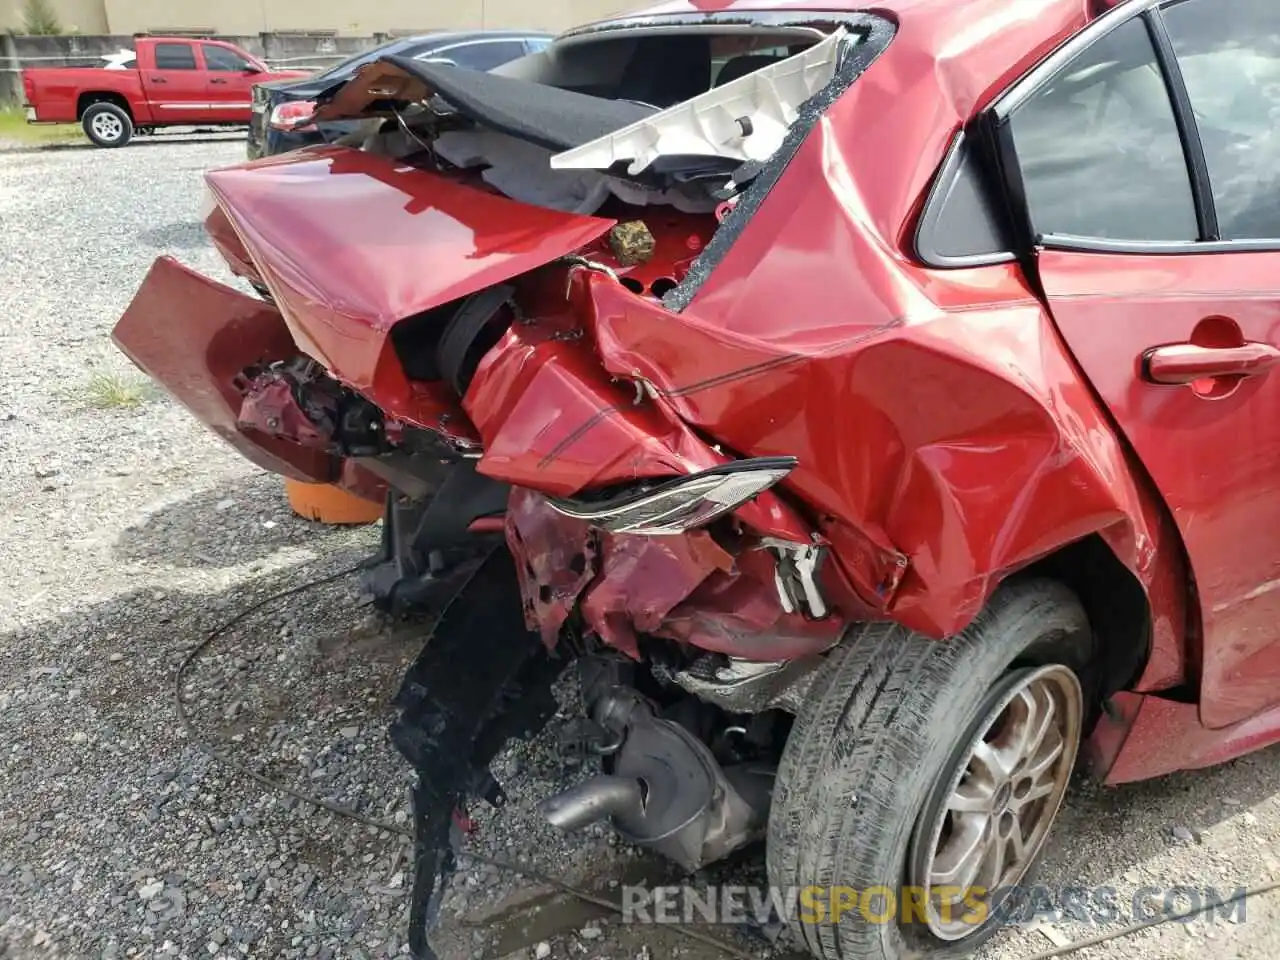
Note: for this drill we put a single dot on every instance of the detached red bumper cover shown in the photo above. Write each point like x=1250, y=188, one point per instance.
x=195, y=336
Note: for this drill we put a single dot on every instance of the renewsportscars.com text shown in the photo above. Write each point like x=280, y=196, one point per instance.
x=1100, y=906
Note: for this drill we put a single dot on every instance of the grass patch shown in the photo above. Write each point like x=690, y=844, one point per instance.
x=111, y=391
x=14, y=127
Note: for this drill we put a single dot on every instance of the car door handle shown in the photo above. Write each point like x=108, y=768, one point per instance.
x=1188, y=362
x=217, y=81
x=159, y=80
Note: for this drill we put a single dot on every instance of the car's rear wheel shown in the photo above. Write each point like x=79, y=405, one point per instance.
x=107, y=125
x=920, y=776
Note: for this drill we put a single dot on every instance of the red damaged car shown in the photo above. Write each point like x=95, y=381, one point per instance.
x=873, y=406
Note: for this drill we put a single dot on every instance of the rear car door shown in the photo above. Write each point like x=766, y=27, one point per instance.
x=175, y=83
x=230, y=79
x=1147, y=156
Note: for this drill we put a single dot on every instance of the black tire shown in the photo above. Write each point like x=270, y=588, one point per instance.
x=880, y=729
x=113, y=126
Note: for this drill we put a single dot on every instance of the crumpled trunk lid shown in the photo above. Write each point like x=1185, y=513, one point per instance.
x=349, y=243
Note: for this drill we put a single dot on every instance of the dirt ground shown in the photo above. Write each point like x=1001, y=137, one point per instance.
x=127, y=532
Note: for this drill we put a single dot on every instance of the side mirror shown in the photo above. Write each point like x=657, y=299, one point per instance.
x=252, y=69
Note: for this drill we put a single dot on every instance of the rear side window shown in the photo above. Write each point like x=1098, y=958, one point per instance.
x=1099, y=147
x=175, y=56
x=484, y=56
x=1231, y=66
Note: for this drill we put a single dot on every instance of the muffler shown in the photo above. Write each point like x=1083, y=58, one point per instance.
x=664, y=789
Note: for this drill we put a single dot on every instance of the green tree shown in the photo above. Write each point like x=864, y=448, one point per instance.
x=39, y=18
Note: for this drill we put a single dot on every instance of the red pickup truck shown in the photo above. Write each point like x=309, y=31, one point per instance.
x=168, y=81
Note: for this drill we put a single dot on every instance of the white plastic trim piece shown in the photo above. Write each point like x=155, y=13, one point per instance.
x=746, y=119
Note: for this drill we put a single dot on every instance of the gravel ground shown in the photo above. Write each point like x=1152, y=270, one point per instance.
x=126, y=534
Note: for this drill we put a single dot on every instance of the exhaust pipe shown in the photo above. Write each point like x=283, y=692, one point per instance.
x=587, y=803
x=664, y=789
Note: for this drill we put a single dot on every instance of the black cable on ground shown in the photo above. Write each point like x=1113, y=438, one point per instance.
x=220, y=755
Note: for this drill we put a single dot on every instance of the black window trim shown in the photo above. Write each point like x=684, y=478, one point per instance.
x=934, y=205
x=1188, y=129
x=998, y=115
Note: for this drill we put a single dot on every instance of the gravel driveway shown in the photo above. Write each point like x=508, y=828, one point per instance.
x=127, y=532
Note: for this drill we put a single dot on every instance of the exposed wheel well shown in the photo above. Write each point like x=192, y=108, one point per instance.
x=89, y=99
x=1114, y=601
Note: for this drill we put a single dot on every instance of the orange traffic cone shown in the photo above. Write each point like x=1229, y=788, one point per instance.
x=326, y=503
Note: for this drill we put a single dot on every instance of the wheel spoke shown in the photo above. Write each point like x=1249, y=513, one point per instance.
x=1039, y=790
x=957, y=863
x=992, y=761
x=1039, y=766
x=971, y=796
x=1038, y=722
x=1014, y=849
x=984, y=833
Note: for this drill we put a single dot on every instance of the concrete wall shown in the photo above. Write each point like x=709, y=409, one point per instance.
x=76, y=16
x=348, y=17
x=345, y=17
x=252, y=24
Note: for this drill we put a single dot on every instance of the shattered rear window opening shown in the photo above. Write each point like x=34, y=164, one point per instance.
x=873, y=35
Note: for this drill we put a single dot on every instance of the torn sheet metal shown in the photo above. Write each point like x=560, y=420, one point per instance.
x=341, y=238
x=688, y=588
x=197, y=337
x=601, y=435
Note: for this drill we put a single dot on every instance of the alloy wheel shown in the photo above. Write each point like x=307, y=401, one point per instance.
x=994, y=804
x=107, y=126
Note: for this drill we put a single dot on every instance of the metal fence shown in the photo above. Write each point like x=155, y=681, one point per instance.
x=316, y=62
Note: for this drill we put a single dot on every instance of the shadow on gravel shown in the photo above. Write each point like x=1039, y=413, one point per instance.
x=1139, y=819
x=241, y=521
x=102, y=781
x=175, y=236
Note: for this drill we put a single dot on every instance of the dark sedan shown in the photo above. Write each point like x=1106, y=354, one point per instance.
x=279, y=104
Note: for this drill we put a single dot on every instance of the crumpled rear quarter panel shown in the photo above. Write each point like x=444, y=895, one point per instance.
x=938, y=418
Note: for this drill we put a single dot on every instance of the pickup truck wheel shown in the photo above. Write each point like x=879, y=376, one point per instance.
x=920, y=776
x=107, y=125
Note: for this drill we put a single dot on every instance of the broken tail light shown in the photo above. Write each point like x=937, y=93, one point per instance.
x=678, y=506
x=293, y=116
